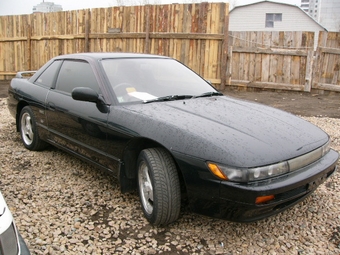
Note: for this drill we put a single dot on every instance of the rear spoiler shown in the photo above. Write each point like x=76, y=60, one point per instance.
x=22, y=74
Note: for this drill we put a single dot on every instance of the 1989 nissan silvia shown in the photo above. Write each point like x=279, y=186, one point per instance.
x=162, y=129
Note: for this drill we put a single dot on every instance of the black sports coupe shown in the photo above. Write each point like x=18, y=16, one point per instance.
x=160, y=128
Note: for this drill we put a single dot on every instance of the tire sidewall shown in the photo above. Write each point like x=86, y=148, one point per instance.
x=143, y=158
x=33, y=145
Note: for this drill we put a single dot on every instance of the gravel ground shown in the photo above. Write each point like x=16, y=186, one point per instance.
x=64, y=206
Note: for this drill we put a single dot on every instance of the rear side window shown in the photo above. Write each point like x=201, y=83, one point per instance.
x=76, y=74
x=47, y=78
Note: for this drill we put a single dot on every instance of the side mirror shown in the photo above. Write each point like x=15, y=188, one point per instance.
x=85, y=94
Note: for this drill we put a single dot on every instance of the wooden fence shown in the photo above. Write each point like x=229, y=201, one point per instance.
x=284, y=60
x=195, y=34
x=271, y=59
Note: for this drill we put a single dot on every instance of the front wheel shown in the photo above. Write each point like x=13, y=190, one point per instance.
x=28, y=130
x=159, y=188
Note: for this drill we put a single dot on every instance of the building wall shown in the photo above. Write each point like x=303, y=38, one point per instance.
x=253, y=18
x=330, y=15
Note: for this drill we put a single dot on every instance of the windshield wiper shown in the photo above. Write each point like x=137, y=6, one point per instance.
x=209, y=94
x=168, y=98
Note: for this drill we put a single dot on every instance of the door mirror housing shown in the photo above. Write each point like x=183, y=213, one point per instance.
x=85, y=94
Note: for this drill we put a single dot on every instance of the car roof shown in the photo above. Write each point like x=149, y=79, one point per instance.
x=106, y=55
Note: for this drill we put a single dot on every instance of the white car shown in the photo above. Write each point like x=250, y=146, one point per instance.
x=11, y=242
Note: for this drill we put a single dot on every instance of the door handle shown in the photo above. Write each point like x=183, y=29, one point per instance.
x=51, y=106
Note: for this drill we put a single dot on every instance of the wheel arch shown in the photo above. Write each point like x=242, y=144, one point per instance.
x=20, y=106
x=128, y=170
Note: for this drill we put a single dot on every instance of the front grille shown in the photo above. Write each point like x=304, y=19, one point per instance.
x=291, y=193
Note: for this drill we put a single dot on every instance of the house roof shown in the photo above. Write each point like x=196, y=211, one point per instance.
x=268, y=1
x=279, y=3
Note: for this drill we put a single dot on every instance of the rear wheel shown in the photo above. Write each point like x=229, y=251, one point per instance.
x=159, y=187
x=28, y=130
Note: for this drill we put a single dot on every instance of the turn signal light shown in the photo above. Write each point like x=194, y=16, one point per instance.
x=217, y=171
x=264, y=199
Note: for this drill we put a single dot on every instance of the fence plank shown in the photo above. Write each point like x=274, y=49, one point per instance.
x=327, y=62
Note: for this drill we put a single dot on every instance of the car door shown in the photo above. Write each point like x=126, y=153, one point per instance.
x=77, y=126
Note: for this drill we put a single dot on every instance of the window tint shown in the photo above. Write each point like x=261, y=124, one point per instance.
x=47, y=78
x=76, y=74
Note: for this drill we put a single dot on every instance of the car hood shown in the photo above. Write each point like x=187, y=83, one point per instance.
x=225, y=130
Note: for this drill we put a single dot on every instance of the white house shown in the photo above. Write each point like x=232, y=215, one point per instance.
x=272, y=16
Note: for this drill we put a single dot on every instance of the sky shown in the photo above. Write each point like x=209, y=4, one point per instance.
x=17, y=7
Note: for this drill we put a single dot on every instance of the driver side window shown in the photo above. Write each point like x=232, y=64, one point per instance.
x=76, y=74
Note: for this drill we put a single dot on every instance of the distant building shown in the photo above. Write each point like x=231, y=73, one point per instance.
x=311, y=7
x=47, y=7
x=305, y=5
x=330, y=15
x=326, y=12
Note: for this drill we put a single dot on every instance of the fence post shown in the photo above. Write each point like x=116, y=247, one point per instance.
x=309, y=70
x=29, y=47
x=224, y=57
x=310, y=62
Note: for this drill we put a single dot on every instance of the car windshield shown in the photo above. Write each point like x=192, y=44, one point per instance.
x=154, y=79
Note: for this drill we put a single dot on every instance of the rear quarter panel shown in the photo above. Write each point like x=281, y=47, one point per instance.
x=22, y=93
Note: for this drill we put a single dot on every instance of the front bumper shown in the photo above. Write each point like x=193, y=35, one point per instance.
x=236, y=201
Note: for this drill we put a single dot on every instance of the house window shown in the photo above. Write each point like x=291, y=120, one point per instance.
x=271, y=18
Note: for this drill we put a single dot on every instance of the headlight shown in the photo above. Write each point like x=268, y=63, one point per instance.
x=265, y=172
x=259, y=173
x=247, y=174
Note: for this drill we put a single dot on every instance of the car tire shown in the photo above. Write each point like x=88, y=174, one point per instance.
x=28, y=130
x=159, y=186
